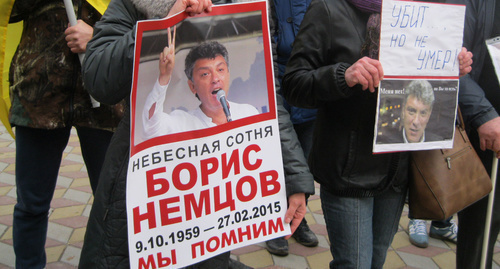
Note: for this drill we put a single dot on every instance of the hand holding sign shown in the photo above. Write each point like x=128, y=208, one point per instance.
x=366, y=71
x=465, y=62
x=192, y=7
x=296, y=211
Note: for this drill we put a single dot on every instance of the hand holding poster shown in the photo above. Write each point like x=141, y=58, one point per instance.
x=199, y=184
x=417, y=99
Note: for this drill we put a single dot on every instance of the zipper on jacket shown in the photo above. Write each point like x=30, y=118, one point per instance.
x=456, y=155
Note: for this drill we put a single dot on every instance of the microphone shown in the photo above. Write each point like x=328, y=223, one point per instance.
x=221, y=96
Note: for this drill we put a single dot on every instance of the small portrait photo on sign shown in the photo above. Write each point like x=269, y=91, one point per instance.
x=415, y=114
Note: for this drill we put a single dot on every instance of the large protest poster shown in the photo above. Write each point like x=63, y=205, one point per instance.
x=417, y=99
x=196, y=189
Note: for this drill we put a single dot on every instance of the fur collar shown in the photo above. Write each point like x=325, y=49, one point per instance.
x=154, y=9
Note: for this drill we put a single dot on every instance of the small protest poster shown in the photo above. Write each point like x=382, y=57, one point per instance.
x=205, y=173
x=493, y=45
x=418, y=97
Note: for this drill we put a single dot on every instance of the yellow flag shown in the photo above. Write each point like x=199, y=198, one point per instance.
x=99, y=5
x=11, y=32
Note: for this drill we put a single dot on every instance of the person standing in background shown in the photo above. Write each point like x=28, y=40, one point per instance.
x=479, y=100
x=107, y=73
x=334, y=67
x=287, y=16
x=48, y=98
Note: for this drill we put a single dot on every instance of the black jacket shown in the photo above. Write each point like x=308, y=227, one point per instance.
x=329, y=41
x=107, y=73
x=476, y=99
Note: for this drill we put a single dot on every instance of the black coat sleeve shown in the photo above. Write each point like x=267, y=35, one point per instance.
x=298, y=178
x=476, y=108
x=312, y=78
x=108, y=64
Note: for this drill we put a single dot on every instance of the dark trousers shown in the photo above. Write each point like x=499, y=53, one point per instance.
x=38, y=158
x=471, y=222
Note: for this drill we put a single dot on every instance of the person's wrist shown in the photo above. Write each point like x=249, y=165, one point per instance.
x=340, y=74
x=163, y=80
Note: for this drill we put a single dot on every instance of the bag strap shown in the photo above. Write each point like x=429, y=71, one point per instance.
x=460, y=118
